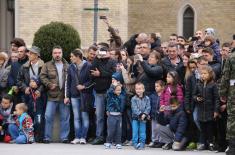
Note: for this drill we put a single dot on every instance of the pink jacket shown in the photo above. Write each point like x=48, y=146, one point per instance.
x=166, y=95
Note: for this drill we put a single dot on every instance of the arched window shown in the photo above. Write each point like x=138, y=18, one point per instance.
x=188, y=22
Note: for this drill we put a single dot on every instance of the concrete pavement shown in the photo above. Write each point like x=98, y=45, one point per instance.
x=68, y=149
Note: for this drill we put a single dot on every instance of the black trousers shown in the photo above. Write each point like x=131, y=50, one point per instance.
x=207, y=131
x=221, y=125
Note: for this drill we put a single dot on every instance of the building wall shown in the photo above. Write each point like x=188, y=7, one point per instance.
x=129, y=16
x=164, y=16
x=32, y=14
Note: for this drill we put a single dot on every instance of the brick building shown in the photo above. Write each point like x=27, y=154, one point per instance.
x=22, y=18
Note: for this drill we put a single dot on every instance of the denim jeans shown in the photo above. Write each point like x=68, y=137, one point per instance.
x=195, y=117
x=138, y=132
x=114, y=129
x=19, y=138
x=81, y=119
x=100, y=110
x=64, y=119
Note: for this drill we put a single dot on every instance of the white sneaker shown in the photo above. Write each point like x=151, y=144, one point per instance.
x=75, y=141
x=118, y=146
x=107, y=145
x=82, y=141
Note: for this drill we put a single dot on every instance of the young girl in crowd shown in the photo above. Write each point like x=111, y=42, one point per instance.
x=207, y=98
x=22, y=131
x=172, y=89
x=155, y=105
x=140, y=106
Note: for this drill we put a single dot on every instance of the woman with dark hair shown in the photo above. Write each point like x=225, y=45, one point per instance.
x=182, y=68
x=150, y=71
x=79, y=89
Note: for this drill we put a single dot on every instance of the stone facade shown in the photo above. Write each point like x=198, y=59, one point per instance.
x=32, y=14
x=165, y=16
x=129, y=16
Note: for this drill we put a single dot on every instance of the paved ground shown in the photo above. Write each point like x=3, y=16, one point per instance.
x=68, y=149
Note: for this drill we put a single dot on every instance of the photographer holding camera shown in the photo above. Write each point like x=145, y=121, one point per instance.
x=101, y=71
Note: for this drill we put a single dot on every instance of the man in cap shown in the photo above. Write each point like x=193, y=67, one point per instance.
x=31, y=68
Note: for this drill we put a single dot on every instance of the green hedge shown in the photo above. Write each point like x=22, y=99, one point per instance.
x=56, y=33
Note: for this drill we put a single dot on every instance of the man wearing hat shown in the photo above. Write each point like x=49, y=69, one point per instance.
x=31, y=68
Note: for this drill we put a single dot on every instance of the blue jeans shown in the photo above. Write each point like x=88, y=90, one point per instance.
x=100, y=110
x=138, y=132
x=81, y=119
x=195, y=117
x=64, y=119
x=16, y=135
x=114, y=129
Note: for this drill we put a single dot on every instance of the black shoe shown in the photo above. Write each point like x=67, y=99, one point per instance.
x=46, y=141
x=158, y=145
x=65, y=141
x=97, y=141
x=90, y=140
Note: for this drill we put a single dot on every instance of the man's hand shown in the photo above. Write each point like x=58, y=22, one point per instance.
x=95, y=72
x=0, y=128
x=80, y=87
x=188, y=111
x=66, y=101
x=27, y=91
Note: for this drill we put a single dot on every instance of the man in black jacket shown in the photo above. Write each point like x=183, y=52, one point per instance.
x=102, y=69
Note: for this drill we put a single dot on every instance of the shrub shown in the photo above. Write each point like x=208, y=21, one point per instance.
x=56, y=33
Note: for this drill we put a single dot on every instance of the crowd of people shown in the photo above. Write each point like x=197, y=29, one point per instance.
x=175, y=95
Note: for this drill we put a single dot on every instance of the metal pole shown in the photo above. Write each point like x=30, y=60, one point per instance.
x=95, y=20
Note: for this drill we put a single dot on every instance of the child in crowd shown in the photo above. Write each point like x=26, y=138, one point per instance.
x=35, y=104
x=22, y=131
x=155, y=105
x=172, y=89
x=6, y=108
x=114, y=108
x=206, y=97
x=140, y=106
x=172, y=130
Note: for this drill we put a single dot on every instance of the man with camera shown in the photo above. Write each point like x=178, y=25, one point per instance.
x=102, y=69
